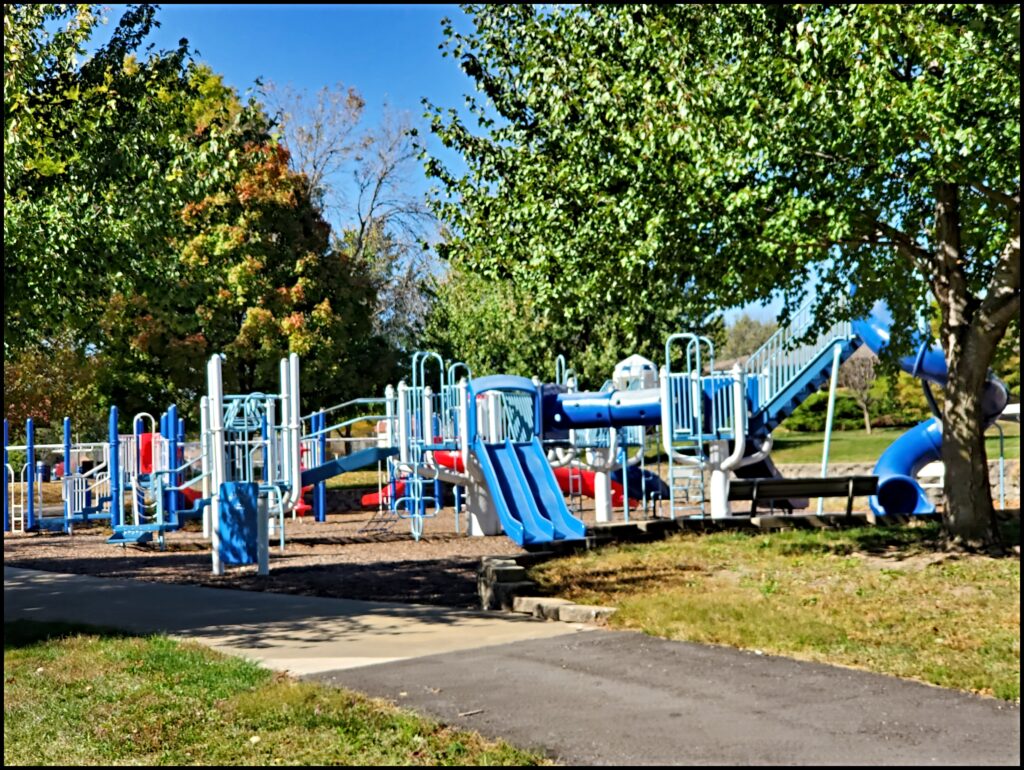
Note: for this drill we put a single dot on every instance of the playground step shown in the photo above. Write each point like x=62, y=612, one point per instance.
x=123, y=537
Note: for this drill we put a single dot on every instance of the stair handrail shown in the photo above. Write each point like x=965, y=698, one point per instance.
x=778, y=362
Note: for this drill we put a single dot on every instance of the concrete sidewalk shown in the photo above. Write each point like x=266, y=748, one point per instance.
x=584, y=697
x=298, y=634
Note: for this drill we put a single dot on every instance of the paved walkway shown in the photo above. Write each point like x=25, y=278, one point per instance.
x=585, y=697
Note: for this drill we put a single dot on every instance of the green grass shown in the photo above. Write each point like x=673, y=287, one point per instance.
x=883, y=599
x=76, y=696
x=365, y=479
x=849, y=446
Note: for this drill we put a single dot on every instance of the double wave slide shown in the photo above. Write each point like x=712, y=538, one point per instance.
x=897, y=468
x=526, y=495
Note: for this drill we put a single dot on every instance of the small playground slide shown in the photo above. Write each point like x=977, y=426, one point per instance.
x=898, y=489
x=352, y=462
x=526, y=496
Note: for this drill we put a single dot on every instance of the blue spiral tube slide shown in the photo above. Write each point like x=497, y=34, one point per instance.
x=898, y=490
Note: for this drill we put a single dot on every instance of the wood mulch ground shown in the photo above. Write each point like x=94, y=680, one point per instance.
x=333, y=558
x=337, y=558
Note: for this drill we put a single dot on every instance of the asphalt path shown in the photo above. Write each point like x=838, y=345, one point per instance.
x=622, y=698
x=581, y=695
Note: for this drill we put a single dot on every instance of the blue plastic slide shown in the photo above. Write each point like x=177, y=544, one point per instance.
x=526, y=495
x=352, y=462
x=898, y=490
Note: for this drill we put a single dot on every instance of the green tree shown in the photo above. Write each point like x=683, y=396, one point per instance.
x=858, y=376
x=52, y=381
x=99, y=157
x=731, y=152
x=257, y=280
x=500, y=326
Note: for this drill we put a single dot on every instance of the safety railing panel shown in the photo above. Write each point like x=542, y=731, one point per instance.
x=723, y=417
x=505, y=415
x=684, y=409
x=780, y=361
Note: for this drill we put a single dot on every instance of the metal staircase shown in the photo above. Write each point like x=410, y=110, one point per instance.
x=782, y=373
x=698, y=401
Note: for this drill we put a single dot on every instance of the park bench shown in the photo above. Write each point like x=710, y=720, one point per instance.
x=770, y=490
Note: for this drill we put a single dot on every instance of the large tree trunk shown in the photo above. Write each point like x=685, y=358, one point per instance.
x=971, y=327
x=968, y=513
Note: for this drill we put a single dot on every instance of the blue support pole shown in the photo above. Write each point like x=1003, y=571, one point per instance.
x=138, y=495
x=320, y=490
x=67, y=471
x=181, y=452
x=7, y=512
x=116, y=498
x=30, y=458
x=172, y=455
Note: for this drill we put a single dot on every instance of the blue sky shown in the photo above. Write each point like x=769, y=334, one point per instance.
x=389, y=53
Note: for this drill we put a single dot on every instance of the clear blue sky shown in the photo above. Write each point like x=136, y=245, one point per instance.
x=389, y=53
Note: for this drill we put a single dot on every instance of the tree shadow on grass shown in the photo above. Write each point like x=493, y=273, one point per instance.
x=26, y=633
x=902, y=540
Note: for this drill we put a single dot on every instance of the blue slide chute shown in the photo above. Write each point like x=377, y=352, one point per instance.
x=352, y=462
x=898, y=490
x=525, y=493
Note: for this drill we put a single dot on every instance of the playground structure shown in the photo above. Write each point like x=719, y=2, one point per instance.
x=96, y=476
x=520, y=454
x=490, y=435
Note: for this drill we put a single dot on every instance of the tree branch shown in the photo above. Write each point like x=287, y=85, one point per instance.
x=917, y=255
x=1002, y=300
x=1010, y=201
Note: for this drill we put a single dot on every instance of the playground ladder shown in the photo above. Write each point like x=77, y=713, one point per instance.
x=575, y=487
x=686, y=488
x=17, y=515
x=16, y=509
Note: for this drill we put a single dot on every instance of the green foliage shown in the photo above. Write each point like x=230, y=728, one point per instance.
x=704, y=157
x=256, y=280
x=896, y=402
x=50, y=382
x=174, y=228
x=100, y=155
x=901, y=401
x=811, y=414
x=499, y=326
